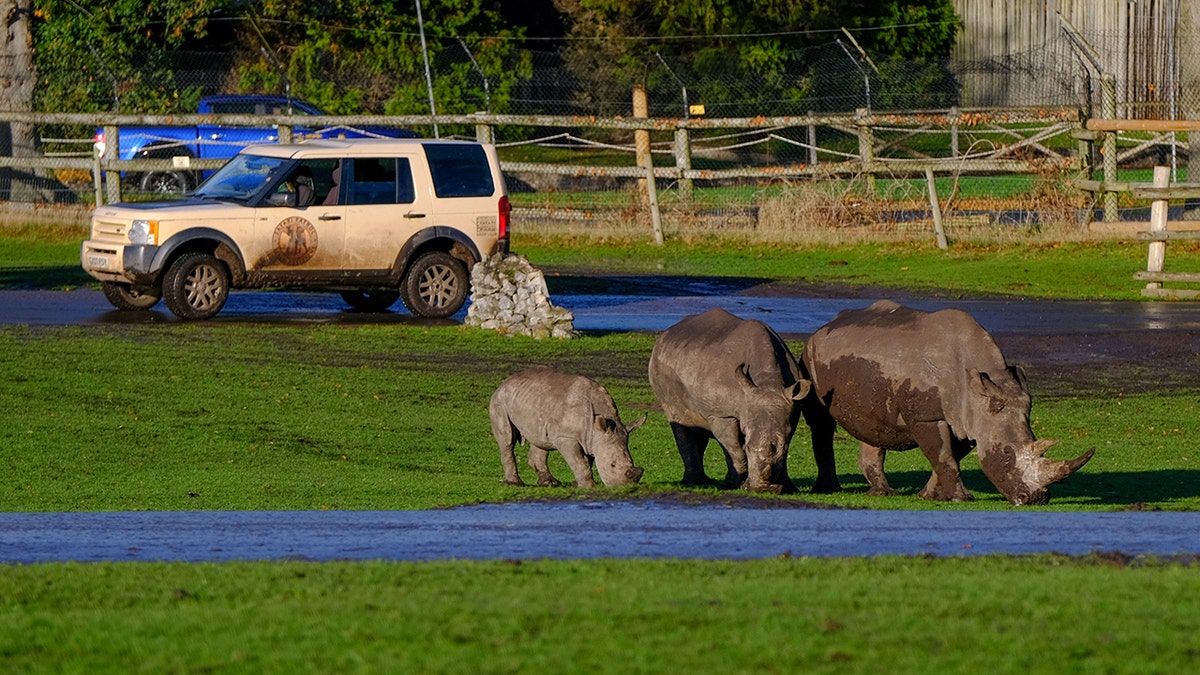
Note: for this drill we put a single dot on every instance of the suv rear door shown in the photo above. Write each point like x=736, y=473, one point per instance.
x=384, y=208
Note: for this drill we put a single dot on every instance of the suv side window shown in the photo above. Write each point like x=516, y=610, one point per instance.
x=380, y=180
x=459, y=170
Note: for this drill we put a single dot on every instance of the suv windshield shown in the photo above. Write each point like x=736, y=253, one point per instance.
x=240, y=179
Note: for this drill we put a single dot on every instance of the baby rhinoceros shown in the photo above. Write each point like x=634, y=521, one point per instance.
x=552, y=410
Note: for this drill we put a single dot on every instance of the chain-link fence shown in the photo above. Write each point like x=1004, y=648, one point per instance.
x=829, y=137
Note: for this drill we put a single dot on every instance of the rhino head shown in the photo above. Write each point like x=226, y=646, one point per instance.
x=609, y=450
x=1012, y=459
x=767, y=421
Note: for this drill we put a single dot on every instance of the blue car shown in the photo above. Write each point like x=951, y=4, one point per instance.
x=214, y=141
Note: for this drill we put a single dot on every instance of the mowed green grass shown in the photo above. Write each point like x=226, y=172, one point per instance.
x=222, y=415
x=1043, y=614
x=241, y=416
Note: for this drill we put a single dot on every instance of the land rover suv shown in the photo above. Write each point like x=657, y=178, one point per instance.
x=375, y=220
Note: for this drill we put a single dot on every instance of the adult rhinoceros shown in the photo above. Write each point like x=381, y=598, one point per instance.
x=896, y=378
x=718, y=376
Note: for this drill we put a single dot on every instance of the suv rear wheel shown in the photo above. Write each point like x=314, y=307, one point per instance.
x=436, y=285
x=196, y=286
x=370, y=300
x=126, y=299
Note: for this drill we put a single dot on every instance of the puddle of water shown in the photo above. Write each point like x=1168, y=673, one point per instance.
x=572, y=530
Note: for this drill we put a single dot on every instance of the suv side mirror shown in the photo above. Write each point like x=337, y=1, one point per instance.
x=282, y=199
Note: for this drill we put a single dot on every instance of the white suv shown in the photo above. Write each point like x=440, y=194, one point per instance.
x=376, y=220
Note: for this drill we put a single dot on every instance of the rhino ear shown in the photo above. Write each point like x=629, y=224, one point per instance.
x=1018, y=374
x=636, y=423
x=603, y=424
x=981, y=384
x=743, y=376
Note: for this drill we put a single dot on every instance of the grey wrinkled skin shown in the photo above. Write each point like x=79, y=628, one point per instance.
x=897, y=378
x=572, y=414
x=721, y=377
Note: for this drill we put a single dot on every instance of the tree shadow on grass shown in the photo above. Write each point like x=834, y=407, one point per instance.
x=43, y=278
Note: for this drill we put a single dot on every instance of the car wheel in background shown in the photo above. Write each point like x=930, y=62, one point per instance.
x=367, y=300
x=126, y=299
x=165, y=182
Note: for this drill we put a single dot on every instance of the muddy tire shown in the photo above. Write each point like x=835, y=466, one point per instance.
x=435, y=286
x=165, y=182
x=126, y=299
x=365, y=300
x=196, y=286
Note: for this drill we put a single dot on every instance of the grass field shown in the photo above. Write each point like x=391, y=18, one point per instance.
x=247, y=416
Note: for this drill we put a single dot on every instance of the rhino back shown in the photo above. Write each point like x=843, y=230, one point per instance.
x=694, y=363
x=884, y=366
x=546, y=404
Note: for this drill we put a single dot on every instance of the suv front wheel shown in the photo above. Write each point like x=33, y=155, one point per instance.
x=196, y=286
x=436, y=285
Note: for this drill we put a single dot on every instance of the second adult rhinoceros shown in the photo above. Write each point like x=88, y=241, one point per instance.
x=896, y=378
x=718, y=376
x=573, y=414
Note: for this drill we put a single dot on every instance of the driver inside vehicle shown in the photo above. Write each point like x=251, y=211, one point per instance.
x=300, y=183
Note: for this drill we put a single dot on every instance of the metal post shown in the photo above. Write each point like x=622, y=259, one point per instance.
x=683, y=162
x=428, y=77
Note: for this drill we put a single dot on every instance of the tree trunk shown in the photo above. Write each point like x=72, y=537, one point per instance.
x=18, y=75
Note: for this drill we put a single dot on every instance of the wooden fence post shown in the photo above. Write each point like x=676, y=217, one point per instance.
x=112, y=142
x=641, y=137
x=866, y=149
x=812, y=141
x=1108, y=106
x=937, y=209
x=1157, y=254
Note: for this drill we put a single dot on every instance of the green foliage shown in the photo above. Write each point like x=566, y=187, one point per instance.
x=756, y=52
x=377, y=46
x=90, y=53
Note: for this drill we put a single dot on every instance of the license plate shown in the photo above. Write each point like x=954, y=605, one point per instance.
x=97, y=262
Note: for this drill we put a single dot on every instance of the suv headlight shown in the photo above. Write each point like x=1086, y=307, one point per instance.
x=144, y=232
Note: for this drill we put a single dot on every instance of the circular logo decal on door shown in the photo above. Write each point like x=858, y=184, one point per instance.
x=295, y=241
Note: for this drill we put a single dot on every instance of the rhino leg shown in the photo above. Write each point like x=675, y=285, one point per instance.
x=728, y=433
x=506, y=437
x=539, y=459
x=870, y=462
x=691, y=442
x=941, y=450
x=822, y=427
x=580, y=464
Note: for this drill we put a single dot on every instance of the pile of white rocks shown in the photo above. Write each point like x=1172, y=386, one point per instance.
x=509, y=295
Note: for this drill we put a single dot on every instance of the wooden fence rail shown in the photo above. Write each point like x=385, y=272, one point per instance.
x=1020, y=149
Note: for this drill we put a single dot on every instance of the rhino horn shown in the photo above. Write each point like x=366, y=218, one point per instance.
x=1042, y=445
x=1062, y=469
x=636, y=423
